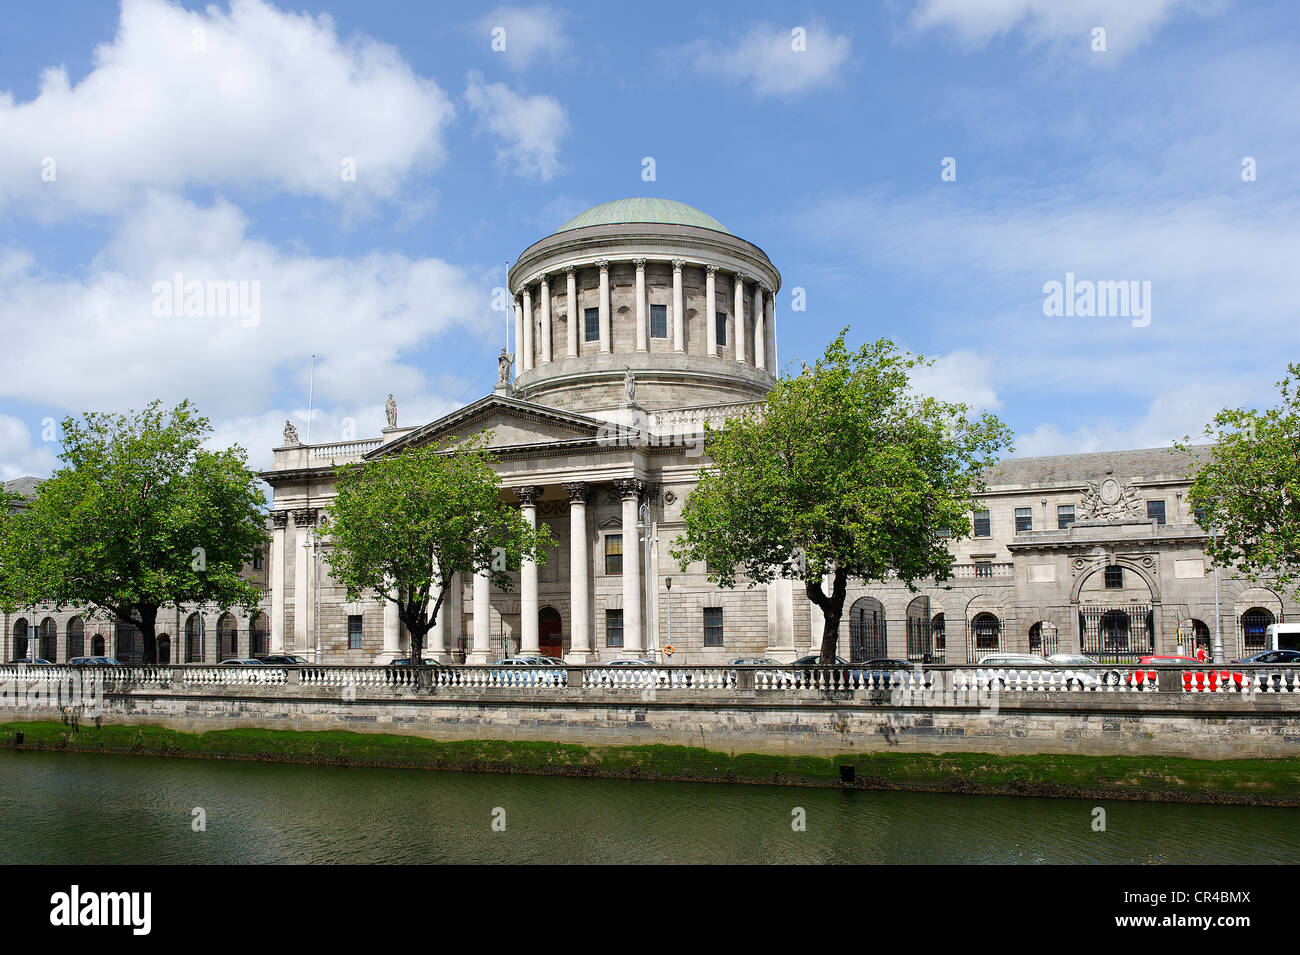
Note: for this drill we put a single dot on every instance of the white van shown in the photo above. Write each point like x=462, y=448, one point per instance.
x=1283, y=636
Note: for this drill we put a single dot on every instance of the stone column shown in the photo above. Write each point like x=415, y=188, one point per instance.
x=480, y=652
x=739, y=307
x=546, y=320
x=604, y=306
x=631, y=493
x=575, y=313
x=304, y=636
x=760, y=335
x=279, y=521
x=780, y=619
x=519, y=334
x=528, y=328
x=770, y=319
x=710, y=318
x=528, y=643
x=581, y=639
x=679, y=308
x=392, y=632
x=642, y=335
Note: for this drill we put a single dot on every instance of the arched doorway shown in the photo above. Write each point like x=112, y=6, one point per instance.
x=164, y=649
x=193, y=648
x=76, y=638
x=1114, y=628
x=130, y=644
x=1044, y=638
x=20, y=639
x=1201, y=639
x=227, y=637
x=866, y=630
x=97, y=645
x=550, y=641
x=1254, y=626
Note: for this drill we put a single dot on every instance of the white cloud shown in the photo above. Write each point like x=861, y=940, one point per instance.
x=961, y=376
x=529, y=128
x=267, y=98
x=18, y=456
x=532, y=34
x=93, y=340
x=1128, y=23
x=767, y=61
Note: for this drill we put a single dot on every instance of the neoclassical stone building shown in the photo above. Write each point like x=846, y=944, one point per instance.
x=635, y=323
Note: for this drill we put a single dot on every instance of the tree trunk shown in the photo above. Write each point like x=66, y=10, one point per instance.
x=832, y=607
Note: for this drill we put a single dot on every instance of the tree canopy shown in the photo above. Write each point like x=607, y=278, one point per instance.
x=404, y=525
x=140, y=516
x=844, y=473
x=1248, y=492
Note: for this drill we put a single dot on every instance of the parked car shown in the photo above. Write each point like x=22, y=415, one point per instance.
x=812, y=660
x=1073, y=679
x=282, y=659
x=406, y=662
x=755, y=662
x=94, y=662
x=1206, y=676
x=1283, y=657
x=632, y=663
x=29, y=661
x=527, y=671
x=1087, y=678
x=240, y=662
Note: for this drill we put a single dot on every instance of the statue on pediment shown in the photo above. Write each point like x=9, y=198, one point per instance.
x=290, y=434
x=504, y=361
x=390, y=409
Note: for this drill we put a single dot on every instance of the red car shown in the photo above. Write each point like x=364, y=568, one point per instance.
x=1194, y=681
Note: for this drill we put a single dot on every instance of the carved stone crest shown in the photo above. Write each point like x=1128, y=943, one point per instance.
x=1108, y=500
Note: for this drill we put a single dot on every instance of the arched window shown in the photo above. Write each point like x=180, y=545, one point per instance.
x=1201, y=638
x=49, y=640
x=227, y=637
x=97, y=645
x=164, y=649
x=986, y=628
x=20, y=638
x=866, y=630
x=257, y=639
x=193, y=647
x=76, y=638
x=939, y=637
x=1254, y=626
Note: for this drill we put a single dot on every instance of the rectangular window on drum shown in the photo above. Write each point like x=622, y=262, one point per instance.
x=658, y=321
x=591, y=324
x=613, y=553
x=613, y=628
x=713, y=626
x=721, y=321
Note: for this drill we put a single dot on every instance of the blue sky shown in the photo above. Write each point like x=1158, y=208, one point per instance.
x=209, y=140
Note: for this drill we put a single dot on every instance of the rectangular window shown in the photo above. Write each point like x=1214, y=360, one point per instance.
x=1064, y=516
x=354, y=631
x=613, y=553
x=721, y=322
x=1024, y=519
x=983, y=568
x=1114, y=577
x=658, y=321
x=713, y=626
x=591, y=324
x=1156, y=511
x=982, y=528
x=613, y=628
x=257, y=556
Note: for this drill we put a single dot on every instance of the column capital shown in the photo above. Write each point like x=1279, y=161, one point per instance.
x=710, y=269
x=629, y=488
x=579, y=492
x=528, y=494
x=743, y=277
x=279, y=520
x=603, y=264
x=304, y=516
x=678, y=264
x=639, y=263
x=570, y=269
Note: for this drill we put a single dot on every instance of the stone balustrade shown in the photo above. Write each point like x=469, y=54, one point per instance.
x=1203, y=681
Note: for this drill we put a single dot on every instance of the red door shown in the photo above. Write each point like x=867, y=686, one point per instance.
x=549, y=641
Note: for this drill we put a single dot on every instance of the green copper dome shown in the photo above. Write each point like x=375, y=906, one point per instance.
x=644, y=210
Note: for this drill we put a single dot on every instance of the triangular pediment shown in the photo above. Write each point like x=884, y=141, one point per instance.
x=512, y=421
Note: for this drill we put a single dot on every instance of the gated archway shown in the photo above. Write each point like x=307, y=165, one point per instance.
x=227, y=637
x=985, y=636
x=47, y=647
x=20, y=638
x=866, y=630
x=550, y=641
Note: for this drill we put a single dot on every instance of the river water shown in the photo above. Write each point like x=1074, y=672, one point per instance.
x=83, y=808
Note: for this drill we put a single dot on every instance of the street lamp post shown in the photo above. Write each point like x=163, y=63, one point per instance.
x=668, y=583
x=313, y=541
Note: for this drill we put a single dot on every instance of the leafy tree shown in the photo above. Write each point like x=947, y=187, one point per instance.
x=404, y=525
x=844, y=472
x=1248, y=491
x=140, y=516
